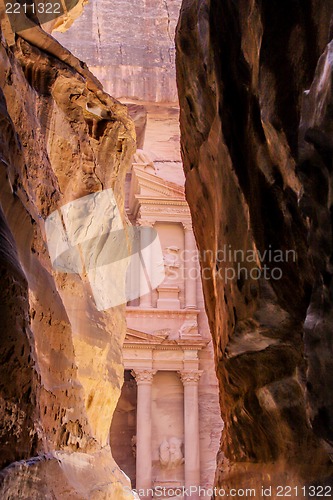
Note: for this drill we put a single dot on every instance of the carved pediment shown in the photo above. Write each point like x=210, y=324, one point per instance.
x=135, y=336
x=146, y=181
x=160, y=188
x=146, y=185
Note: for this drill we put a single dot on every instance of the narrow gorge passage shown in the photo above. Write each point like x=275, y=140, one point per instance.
x=156, y=279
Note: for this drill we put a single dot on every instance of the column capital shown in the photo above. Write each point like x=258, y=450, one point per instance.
x=143, y=376
x=187, y=226
x=145, y=223
x=190, y=377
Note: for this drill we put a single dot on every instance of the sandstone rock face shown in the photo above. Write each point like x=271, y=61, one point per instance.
x=257, y=153
x=61, y=138
x=129, y=46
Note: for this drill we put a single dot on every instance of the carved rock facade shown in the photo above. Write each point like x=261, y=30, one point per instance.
x=129, y=46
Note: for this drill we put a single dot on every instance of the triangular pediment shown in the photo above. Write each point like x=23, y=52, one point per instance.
x=160, y=338
x=152, y=186
x=135, y=336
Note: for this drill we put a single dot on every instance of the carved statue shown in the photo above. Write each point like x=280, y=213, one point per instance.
x=188, y=328
x=142, y=159
x=164, y=453
x=171, y=260
x=171, y=453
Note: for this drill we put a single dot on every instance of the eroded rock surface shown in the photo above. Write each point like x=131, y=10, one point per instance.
x=61, y=138
x=129, y=46
x=257, y=153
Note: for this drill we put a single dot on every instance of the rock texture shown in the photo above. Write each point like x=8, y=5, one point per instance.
x=61, y=138
x=129, y=46
x=58, y=17
x=257, y=151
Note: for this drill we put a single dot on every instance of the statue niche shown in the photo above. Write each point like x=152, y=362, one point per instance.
x=171, y=453
x=171, y=262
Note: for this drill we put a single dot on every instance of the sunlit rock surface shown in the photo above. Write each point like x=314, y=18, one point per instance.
x=61, y=138
x=129, y=46
x=257, y=153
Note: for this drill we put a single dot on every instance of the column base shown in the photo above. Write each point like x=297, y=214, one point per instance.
x=168, y=297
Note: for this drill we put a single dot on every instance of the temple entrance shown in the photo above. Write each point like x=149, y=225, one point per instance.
x=167, y=430
x=123, y=428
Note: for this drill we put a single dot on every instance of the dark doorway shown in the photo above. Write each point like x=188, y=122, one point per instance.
x=123, y=428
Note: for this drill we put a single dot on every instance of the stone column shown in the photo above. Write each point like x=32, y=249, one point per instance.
x=190, y=379
x=144, y=379
x=191, y=268
x=145, y=247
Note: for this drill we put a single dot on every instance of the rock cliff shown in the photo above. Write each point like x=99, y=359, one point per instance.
x=61, y=138
x=129, y=46
x=255, y=90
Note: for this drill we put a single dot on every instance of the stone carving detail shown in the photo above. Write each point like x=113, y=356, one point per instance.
x=145, y=223
x=188, y=328
x=143, y=375
x=133, y=443
x=171, y=453
x=164, y=332
x=187, y=226
x=142, y=158
x=190, y=376
x=171, y=260
x=161, y=209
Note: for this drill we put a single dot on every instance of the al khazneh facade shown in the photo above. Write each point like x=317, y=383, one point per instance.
x=168, y=417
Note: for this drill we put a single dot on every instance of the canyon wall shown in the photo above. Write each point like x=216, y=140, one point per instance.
x=62, y=137
x=129, y=46
x=255, y=90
